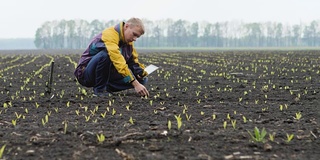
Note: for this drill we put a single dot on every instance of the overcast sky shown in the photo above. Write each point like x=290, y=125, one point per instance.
x=21, y=18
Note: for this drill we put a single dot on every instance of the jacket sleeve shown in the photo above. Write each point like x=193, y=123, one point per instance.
x=137, y=67
x=111, y=39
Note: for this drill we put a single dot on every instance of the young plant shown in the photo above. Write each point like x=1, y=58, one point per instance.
x=18, y=115
x=234, y=122
x=188, y=116
x=244, y=119
x=258, y=136
x=37, y=105
x=87, y=118
x=103, y=115
x=128, y=107
x=179, y=121
x=101, y=138
x=65, y=126
x=224, y=124
x=289, y=137
x=271, y=136
x=14, y=122
x=113, y=111
x=2, y=150
x=214, y=116
x=131, y=120
x=169, y=125
x=298, y=116
x=43, y=122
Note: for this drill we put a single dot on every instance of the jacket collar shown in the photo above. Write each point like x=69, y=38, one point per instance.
x=119, y=29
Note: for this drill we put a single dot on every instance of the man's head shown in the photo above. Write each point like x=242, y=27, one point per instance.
x=133, y=29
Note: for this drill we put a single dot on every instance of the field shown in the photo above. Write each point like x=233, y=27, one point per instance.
x=203, y=105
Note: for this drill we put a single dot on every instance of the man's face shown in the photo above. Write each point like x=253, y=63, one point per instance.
x=131, y=33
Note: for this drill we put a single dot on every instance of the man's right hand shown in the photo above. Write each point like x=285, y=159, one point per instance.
x=140, y=89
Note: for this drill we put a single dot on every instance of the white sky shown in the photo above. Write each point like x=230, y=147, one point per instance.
x=21, y=18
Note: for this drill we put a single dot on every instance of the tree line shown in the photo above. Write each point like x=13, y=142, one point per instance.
x=75, y=34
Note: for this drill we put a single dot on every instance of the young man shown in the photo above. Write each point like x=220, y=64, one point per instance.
x=110, y=63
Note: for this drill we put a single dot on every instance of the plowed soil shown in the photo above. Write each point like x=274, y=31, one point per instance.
x=220, y=96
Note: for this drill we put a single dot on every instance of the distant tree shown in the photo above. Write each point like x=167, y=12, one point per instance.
x=96, y=27
x=279, y=34
x=194, y=31
x=296, y=37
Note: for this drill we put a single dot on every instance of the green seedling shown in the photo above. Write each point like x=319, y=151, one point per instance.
x=244, y=119
x=271, y=137
x=188, y=117
x=281, y=107
x=84, y=92
x=214, y=116
x=18, y=115
x=87, y=118
x=298, y=116
x=169, y=125
x=197, y=93
x=179, y=121
x=77, y=112
x=2, y=150
x=65, y=126
x=103, y=115
x=37, y=105
x=258, y=136
x=289, y=137
x=131, y=120
x=128, y=107
x=113, y=111
x=93, y=112
x=234, y=122
x=224, y=124
x=5, y=105
x=43, y=122
x=14, y=122
x=46, y=118
x=101, y=138
x=184, y=111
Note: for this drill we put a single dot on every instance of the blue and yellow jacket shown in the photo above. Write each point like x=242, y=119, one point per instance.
x=123, y=55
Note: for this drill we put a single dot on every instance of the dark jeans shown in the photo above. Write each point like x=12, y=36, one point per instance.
x=103, y=76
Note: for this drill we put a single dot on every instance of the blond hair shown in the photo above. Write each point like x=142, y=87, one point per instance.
x=136, y=22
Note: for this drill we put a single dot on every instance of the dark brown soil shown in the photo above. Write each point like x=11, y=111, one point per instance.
x=206, y=89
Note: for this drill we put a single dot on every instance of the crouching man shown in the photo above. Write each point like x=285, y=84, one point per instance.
x=111, y=64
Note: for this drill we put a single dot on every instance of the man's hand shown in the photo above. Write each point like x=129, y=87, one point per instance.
x=140, y=89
